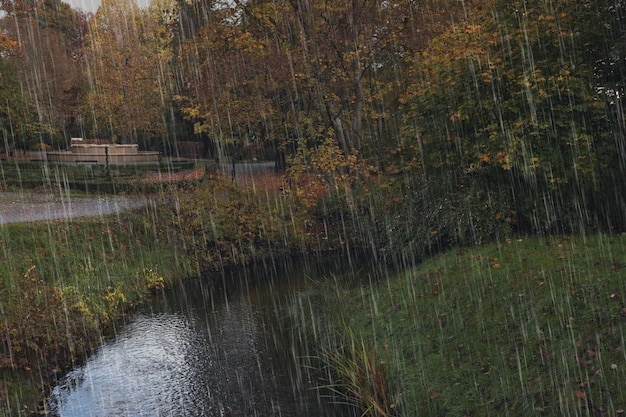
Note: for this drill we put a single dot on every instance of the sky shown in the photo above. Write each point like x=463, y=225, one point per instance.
x=92, y=5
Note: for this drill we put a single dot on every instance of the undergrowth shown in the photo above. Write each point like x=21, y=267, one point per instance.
x=63, y=283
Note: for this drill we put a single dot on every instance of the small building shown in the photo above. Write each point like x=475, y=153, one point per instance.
x=99, y=151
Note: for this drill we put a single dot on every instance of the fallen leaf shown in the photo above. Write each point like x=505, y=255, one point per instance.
x=436, y=288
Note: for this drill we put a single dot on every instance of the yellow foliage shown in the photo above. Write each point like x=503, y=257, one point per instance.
x=315, y=173
x=115, y=297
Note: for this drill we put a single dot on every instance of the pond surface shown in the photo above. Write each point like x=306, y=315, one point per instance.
x=203, y=349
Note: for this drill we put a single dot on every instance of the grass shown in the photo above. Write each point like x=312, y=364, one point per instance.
x=528, y=327
x=62, y=284
x=18, y=394
x=361, y=377
x=73, y=251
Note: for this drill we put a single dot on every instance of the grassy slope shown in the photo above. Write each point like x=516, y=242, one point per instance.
x=529, y=327
x=74, y=277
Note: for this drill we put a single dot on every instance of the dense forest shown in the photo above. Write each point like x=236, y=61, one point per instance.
x=507, y=115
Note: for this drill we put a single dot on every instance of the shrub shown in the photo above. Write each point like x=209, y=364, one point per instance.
x=215, y=225
x=413, y=217
x=38, y=326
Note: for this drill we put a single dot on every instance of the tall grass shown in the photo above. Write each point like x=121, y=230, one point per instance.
x=358, y=377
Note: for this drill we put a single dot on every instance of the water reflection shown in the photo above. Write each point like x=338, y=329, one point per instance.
x=196, y=350
x=144, y=372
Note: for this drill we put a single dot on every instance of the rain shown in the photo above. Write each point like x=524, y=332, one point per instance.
x=312, y=208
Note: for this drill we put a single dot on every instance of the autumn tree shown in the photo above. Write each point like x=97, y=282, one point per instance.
x=513, y=97
x=128, y=73
x=224, y=61
x=17, y=122
x=299, y=71
x=49, y=37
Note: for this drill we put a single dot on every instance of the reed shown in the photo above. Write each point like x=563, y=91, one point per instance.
x=358, y=377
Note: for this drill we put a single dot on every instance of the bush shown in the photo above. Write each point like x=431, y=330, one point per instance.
x=37, y=327
x=216, y=225
x=414, y=217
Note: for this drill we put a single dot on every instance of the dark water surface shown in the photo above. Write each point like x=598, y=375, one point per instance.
x=203, y=349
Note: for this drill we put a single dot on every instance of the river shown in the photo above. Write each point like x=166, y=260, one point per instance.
x=204, y=349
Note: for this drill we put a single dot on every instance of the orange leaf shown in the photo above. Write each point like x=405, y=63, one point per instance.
x=436, y=288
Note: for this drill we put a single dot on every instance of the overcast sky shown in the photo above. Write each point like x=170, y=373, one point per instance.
x=86, y=5
x=92, y=5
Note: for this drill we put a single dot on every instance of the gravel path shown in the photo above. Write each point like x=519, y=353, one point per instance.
x=26, y=207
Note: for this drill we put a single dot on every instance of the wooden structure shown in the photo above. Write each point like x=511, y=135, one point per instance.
x=98, y=151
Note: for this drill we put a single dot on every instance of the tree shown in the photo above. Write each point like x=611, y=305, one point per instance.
x=296, y=72
x=49, y=38
x=127, y=73
x=513, y=98
x=16, y=121
x=224, y=71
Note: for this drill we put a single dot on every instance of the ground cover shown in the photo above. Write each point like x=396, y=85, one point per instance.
x=63, y=284
x=533, y=326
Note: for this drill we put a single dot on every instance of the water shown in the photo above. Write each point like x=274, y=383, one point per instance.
x=201, y=349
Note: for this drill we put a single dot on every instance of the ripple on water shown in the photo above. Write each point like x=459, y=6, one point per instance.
x=189, y=356
x=144, y=372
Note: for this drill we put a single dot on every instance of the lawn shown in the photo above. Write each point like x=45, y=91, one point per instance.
x=533, y=326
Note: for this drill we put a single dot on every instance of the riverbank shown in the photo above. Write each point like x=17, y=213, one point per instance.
x=533, y=326
x=67, y=281
x=64, y=283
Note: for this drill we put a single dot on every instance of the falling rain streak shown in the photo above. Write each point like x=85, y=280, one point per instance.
x=464, y=160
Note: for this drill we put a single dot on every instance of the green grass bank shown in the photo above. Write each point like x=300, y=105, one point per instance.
x=528, y=327
x=63, y=284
